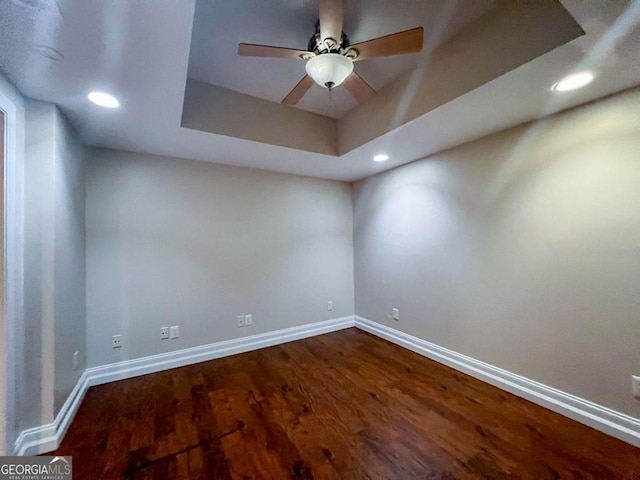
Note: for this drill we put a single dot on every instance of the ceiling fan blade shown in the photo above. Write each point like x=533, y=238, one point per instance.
x=298, y=91
x=251, y=50
x=331, y=18
x=358, y=88
x=409, y=41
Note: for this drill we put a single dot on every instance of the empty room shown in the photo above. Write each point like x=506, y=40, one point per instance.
x=320, y=239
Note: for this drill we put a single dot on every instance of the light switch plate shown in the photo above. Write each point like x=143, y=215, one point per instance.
x=174, y=332
x=635, y=382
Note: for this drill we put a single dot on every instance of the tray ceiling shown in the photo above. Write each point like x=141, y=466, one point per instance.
x=219, y=26
x=451, y=64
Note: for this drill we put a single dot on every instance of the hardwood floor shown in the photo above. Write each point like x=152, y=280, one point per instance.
x=342, y=405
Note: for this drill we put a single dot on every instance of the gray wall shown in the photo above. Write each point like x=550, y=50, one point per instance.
x=69, y=253
x=35, y=391
x=54, y=325
x=521, y=249
x=178, y=242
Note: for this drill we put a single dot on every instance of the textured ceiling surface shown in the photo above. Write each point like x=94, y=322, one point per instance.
x=58, y=51
x=219, y=26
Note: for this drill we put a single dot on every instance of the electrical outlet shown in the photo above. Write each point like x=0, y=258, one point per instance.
x=395, y=314
x=248, y=320
x=164, y=333
x=116, y=341
x=240, y=321
x=175, y=331
x=329, y=305
x=635, y=382
x=76, y=360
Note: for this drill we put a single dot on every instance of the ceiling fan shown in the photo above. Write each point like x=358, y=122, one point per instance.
x=330, y=56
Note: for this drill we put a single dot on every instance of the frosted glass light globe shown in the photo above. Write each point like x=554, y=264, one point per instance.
x=329, y=69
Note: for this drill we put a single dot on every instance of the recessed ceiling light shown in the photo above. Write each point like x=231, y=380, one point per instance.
x=573, y=81
x=104, y=99
x=381, y=157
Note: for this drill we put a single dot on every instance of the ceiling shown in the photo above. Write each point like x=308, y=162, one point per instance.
x=218, y=28
x=58, y=51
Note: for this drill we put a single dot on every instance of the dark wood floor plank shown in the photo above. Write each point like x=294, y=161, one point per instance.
x=255, y=447
x=523, y=427
x=452, y=420
x=342, y=405
x=378, y=420
x=321, y=423
x=287, y=402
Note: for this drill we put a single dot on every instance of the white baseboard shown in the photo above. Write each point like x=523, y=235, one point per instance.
x=609, y=421
x=46, y=438
x=189, y=356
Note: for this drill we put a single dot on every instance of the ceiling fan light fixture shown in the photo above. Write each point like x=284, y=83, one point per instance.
x=329, y=69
